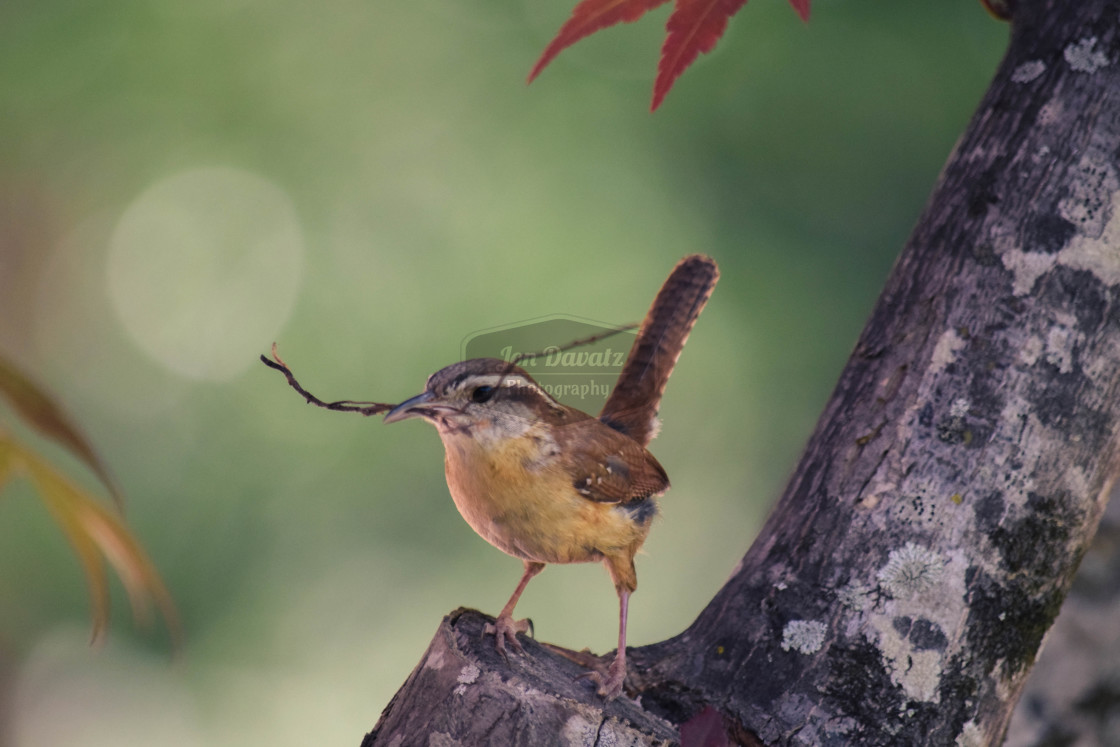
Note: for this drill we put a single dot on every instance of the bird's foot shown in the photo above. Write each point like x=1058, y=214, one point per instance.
x=609, y=679
x=505, y=630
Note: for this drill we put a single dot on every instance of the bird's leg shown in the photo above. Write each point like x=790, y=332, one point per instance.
x=610, y=687
x=505, y=628
x=625, y=581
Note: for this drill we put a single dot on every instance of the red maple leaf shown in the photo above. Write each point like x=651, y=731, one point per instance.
x=694, y=27
x=587, y=18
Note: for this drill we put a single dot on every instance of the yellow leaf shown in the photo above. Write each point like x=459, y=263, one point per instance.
x=39, y=411
x=7, y=459
x=95, y=530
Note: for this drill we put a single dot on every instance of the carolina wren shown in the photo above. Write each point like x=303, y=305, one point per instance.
x=547, y=483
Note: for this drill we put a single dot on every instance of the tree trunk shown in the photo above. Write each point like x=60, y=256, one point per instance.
x=901, y=589
x=1073, y=694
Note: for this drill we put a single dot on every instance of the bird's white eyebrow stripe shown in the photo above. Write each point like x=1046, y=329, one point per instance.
x=511, y=380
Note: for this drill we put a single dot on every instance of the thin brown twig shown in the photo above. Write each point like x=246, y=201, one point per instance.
x=345, y=405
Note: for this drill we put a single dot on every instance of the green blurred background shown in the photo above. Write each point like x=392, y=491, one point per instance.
x=368, y=183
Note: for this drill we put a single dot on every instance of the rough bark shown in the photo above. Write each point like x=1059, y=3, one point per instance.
x=1073, y=694
x=901, y=589
x=463, y=692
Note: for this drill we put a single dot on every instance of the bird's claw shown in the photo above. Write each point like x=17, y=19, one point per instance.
x=505, y=630
x=609, y=679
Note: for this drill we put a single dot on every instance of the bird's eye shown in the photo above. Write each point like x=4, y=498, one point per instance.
x=482, y=394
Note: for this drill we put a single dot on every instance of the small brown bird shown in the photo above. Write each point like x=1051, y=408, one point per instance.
x=547, y=483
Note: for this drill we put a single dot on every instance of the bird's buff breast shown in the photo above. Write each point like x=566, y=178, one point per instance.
x=522, y=502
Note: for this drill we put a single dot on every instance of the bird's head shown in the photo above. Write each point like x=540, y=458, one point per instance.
x=481, y=394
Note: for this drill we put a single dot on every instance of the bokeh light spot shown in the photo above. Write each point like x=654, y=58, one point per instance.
x=203, y=270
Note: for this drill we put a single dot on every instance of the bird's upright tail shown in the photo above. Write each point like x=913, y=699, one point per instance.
x=633, y=405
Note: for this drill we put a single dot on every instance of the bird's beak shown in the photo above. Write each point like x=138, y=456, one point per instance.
x=418, y=406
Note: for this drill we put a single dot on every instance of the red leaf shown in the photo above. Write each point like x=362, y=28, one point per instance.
x=591, y=16
x=694, y=27
x=802, y=8
x=705, y=729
